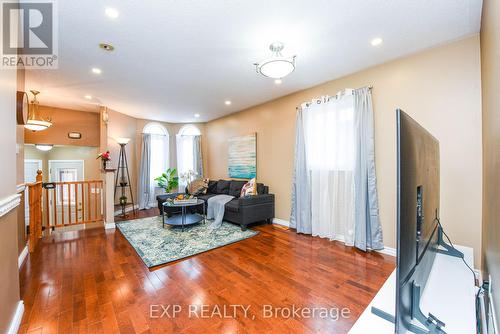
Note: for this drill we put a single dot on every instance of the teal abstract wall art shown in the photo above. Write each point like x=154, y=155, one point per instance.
x=242, y=157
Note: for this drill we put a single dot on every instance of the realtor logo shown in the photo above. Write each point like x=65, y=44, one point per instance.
x=29, y=35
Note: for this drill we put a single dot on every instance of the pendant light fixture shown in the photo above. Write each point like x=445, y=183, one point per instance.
x=277, y=66
x=35, y=121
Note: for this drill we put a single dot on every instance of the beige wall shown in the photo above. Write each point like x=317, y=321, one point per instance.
x=490, y=61
x=65, y=121
x=9, y=275
x=21, y=229
x=86, y=153
x=120, y=125
x=440, y=88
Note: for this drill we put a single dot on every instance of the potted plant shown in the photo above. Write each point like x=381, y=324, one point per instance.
x=123, y=200
x=105, y=157
x=168, y=180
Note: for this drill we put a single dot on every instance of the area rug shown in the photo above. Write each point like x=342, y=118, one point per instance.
x=157, y=245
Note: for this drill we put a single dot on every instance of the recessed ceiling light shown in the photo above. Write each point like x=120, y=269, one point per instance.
x=227, y=103
x=88, y=97
x=111, y=12
x=278, y=81
x=377, y=41
x=96, y=70
x=197, y=115
x=106, y=46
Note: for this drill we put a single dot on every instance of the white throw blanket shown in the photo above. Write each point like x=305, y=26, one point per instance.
x=215, y=209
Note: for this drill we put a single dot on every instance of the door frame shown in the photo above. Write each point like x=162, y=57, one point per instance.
x=62, y=160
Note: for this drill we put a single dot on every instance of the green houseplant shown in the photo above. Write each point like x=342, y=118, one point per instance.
x=168, y=180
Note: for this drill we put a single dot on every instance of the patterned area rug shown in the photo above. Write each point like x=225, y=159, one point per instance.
x=157, y=245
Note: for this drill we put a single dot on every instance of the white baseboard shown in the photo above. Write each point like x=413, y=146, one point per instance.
x=15, y=323
x=22, y=257
x=281, y=222
x=127, y=209
x=108, y=226
x=388, y=251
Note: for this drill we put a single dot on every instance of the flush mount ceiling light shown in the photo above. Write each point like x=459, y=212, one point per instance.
x=44, y=147
x=197, y=115
x=35, y=121
x=276, y=66
x=377, y=41
x=111, y=13
x=88, y=97
x=96, y=70
x=227, y=103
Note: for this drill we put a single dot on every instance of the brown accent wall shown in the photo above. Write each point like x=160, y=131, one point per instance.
x=65, y=121
x=490, y=70
x=439, y=87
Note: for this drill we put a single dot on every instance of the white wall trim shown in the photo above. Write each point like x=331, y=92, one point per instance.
x=16, y=320
x=109, y=225
x=387, y=251
x=20, y=188
x=9, y=203
x=127, y=209
x=281, y=222
x=22, y=257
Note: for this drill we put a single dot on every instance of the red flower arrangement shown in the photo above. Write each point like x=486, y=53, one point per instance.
x=105, y=157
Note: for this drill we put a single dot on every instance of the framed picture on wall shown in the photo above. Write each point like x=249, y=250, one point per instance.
x=242, y=157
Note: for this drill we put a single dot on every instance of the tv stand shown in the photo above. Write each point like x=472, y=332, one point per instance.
x=449, y=293
x=431, y=323
x=448, y=249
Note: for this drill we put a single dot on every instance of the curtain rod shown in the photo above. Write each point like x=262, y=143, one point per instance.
x=341, y=92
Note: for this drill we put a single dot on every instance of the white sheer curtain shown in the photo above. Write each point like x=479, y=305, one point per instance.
x=329, y=143
x=185, y=158
x=153, y=163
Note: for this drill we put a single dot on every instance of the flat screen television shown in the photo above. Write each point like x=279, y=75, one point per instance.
x=417, y=216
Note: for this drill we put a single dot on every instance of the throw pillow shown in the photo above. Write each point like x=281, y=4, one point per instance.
x=198, y=187
x=250, y=188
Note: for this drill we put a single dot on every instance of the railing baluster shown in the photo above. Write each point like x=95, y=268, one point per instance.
x=54, y=205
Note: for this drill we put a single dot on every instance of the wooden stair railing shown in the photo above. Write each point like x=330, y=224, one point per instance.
x=35, y=211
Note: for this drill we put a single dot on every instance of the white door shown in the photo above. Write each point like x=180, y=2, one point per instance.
x=31, y=166
x=66, y=171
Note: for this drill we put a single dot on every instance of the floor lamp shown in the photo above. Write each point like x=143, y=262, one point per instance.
x=123, y=177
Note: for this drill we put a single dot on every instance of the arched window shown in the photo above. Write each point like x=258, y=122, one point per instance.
x=189, y=160
x=189, y=130
x=155, y=129
x=154, y=161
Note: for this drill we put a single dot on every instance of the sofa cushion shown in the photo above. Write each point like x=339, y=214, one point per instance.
x=223, y=187
x=261, y=189
x=212, y=187
x=197, y=187
x=235, y=188
x=206, y=196
x=232, y=205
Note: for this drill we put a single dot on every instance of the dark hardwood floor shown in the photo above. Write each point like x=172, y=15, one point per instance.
x=92, y=281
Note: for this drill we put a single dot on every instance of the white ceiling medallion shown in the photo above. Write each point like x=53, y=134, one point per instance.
x=276, y=66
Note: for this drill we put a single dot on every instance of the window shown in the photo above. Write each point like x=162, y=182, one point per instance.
x=187, y=152
x=159, y=151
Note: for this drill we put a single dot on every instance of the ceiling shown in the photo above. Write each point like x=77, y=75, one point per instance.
x=175, y=58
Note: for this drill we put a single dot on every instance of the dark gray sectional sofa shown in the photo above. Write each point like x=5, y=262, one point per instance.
x=241, y=210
